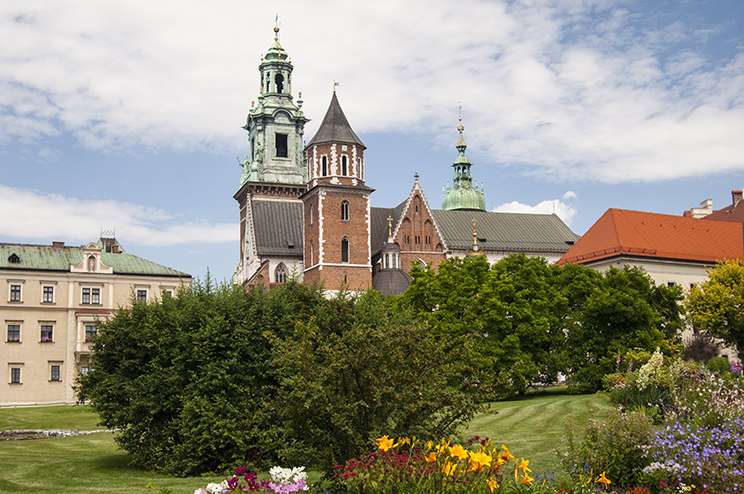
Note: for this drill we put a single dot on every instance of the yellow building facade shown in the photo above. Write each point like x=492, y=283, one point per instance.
x=52, y=299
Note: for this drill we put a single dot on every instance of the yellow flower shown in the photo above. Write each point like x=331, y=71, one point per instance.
x=384, y=443
x=492, y=484
x=505, y=453
x=449, y=468
x=458, y=452
x=431, y=457
x=527, y=479
x=604, y=480
x=479, y=460
x=523, y=465
x=402, y=441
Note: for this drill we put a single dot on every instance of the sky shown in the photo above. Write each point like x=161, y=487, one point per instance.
x=127, y=116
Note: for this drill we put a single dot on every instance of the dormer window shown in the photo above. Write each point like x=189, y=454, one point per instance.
x=14, y=259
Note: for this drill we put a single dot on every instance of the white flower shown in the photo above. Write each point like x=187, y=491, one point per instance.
x=213, y=488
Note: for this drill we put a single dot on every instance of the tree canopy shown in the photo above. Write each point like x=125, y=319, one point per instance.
x=216, y=377
x=716, y=306
x=525, y=320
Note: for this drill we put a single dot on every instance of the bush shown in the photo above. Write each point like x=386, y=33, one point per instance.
x=615, y=447
x=700, y=347
x=718, y=365
x=360, y=369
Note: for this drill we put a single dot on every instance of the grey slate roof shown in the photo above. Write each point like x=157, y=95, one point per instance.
x=278, y=225
x=379, y=224
x=516, y=232
x=391, y=281
x=335, y=127
x=49, y=258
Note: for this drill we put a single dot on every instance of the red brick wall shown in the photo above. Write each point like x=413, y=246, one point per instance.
x=417, y=237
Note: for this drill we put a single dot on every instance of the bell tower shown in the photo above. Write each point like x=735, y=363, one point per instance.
x=274, y=176
x=275, y=124
x=337, y=206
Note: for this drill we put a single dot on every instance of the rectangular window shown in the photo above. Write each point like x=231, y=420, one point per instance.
x=90, y=332
x=47, y=295
x=671, y=284
x=281, y=150
x=14, y=332
x=47, y=331
x=84, y=371
x=15, y=375
x=95, y=295
x=86, y=296
x=141, y=296
x=54, y=376
x=15, y=293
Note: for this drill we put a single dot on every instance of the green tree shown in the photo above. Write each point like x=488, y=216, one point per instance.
x=510, y=315
x=716, y=306
x=360, y=369
x=624, y=310
x=188, y=379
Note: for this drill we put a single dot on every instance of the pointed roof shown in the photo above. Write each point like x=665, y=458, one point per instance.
x=335, y=127
x=662, y=236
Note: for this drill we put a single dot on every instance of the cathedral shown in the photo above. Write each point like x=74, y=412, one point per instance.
x=306, y=212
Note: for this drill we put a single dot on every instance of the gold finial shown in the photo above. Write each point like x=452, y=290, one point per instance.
x=390, y=226
x=459, y=117
x=334, y=85
x=276, y=27
x=475, y=235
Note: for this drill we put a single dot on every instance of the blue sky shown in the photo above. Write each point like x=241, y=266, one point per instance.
x=128, y=115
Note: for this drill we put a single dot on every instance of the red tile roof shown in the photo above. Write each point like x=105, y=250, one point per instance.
x=732, y=212
x=635, y=233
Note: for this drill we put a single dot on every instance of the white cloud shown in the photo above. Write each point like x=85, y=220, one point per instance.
x=568, y=90
x=559, y=208
x=32, y=215
x=569, y=195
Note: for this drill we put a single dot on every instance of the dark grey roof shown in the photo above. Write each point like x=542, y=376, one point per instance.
x=51, y=258
x=391, y=281
x=335, y=127
x=378, y=225
x=513, y=232
x=278, y=224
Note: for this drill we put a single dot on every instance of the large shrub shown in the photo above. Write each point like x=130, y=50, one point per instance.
x=358, y=370
x=188, y=380
x=218, y=377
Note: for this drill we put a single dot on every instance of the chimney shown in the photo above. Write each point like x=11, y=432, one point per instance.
x=58, y=244
x=736, y=196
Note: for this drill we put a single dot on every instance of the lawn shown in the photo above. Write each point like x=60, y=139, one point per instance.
x=532, y=425
x=529, y=426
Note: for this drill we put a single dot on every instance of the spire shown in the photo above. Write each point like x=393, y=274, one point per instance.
x=335, y=127
x=463, y=195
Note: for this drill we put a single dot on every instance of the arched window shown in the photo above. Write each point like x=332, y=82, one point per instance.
x=312, y=253
x=344, y=166
x=279, y=79
x=345, y=250
x=280, y=274
x=345, y=211
x=324, y=166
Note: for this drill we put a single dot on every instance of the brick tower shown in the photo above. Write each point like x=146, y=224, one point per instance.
x=337, y=206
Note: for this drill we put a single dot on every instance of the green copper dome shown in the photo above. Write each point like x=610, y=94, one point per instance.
x=462, y=194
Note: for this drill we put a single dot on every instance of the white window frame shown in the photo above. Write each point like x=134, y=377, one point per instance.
x=8, y=324
x=11, y=285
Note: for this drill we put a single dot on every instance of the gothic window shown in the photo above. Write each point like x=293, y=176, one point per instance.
x=279, y=79
x=324, y=166
x=281, y=146
x=312, y=253
x=345, y=211
x=344, y=166
x=280, y=274
x=345, y=250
